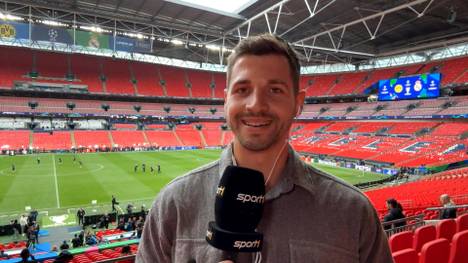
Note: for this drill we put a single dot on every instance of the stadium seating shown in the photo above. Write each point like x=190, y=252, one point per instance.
x=347, y=83
x=128, y=138
x=188, y=135
x=321, y=85
x=422, y=194
x=147, y=79
x=14, y=139
x=462, y=223
x=405, y=256
x=459, y=245
x=212, y=133
x=220, y=84
x=118, y=74
x=401, y=241
x=92, y=139
x=454, y=71
x=19, y=63
x=51, y=65
x=423, y=235
x=404, y=128
x=118, y=77
x=446, y=229
x=163, y=138
x=451, y=129
x=87, y=69
x=175, y=81
x=57, y=140
x=200, y=83
x=436, y=251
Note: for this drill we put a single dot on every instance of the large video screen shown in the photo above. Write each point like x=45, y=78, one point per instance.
x=411, y=87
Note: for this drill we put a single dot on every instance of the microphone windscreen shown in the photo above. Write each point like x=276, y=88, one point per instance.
x=239, y=199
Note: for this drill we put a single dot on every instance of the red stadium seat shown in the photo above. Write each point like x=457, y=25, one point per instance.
x=423, y=235
x=462, y=222
x=446, y=229
x=400, y=241
x=459, y=249
x=405, y=256
x=436, y=251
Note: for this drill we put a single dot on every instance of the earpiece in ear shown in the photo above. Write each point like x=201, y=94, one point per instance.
x=299, y=111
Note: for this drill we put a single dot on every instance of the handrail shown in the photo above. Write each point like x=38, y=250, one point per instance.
x=412, y=222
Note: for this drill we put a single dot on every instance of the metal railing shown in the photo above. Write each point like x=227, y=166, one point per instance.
x=412, y=222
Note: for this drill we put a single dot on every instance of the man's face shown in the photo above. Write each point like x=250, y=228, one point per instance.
x=260, y=103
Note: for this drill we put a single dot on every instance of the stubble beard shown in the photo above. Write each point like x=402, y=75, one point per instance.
x=258, y=142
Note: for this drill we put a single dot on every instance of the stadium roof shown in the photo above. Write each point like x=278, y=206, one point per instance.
x=323, y=31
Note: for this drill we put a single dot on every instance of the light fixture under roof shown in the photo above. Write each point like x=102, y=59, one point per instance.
x=4, y=16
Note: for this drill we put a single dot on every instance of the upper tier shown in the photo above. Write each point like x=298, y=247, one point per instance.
x=116, y=76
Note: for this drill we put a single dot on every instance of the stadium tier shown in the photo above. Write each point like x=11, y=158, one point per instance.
x=21, y=104
x=117, y=76
x=401, y=143
x=441, y=106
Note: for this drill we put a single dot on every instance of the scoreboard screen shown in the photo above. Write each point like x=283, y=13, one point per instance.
x=410, y=87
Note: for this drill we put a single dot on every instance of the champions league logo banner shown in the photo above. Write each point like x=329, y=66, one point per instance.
x=51, y=34
x=411, y=87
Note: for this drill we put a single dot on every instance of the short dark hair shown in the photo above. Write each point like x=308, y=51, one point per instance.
x=266, y=44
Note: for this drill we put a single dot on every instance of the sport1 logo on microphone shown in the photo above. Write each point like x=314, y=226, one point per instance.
x=220, y=191
x=258, y=199
x=247, y=244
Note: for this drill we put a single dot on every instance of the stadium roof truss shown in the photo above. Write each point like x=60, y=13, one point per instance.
x=324, y=32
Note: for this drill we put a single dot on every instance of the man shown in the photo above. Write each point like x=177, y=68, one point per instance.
x=307, y=214
x=450, y=211
x=80, y=214
x=130, y=209
x=76, y=242
x=64, y=245
x=114, y=203
x=24, y=224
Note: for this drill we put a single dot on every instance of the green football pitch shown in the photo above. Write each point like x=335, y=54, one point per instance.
x=59, y=184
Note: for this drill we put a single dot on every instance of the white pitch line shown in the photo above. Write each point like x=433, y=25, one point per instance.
x=56, y=183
